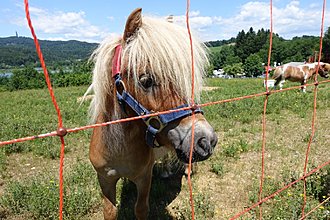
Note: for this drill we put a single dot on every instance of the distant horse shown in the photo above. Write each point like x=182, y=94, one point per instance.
x=299, y=73
x=326, y=68
x=147, y=70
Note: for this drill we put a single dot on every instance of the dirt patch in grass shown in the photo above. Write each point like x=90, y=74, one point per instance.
x=209, y=88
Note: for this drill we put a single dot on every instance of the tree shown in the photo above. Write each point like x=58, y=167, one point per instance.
x=326, y=46
x=27, y=78
x=234, y=69
x=248, y=43
x=219, y=58
x=209, y=70
x=240, y=44
x=253, y=66
x=232, y=59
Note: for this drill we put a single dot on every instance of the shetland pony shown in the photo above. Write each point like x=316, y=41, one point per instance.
x=148, y=70
x=300, y=73
x=326, y=68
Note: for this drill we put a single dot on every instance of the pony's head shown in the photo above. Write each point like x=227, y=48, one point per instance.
x=156, y=71
x=325, y=68
x=322, y=70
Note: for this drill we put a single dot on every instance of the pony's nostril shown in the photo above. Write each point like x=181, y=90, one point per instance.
x=202, y=142
x=207, y=145
x=203, y=147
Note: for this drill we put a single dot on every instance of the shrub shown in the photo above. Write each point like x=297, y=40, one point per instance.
x=27, y=78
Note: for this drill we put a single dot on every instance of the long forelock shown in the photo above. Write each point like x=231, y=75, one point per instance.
x=159, y=48
x=162, y=49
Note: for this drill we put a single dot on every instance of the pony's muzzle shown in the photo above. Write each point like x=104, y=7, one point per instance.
x=203, y=147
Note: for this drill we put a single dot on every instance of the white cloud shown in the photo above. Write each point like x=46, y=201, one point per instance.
x=111, y=18
x=63, y=25
x=288, y=21
x=195, y=20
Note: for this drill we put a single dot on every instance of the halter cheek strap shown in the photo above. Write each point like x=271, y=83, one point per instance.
x=116, y=61
x=155, y=124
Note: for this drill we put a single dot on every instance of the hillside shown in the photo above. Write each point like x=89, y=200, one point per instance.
x=17, y=51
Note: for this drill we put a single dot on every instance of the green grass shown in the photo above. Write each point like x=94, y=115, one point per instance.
x=31, y=112
x=38, y=197
x=288, y=205
x=34, y=195
x=247, y=110
x=214, y=49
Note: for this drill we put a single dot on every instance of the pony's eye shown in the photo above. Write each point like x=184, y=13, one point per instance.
x=146, y=81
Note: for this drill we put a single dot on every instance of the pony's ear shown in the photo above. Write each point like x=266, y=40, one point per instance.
x=134, y=21
x=322, y=66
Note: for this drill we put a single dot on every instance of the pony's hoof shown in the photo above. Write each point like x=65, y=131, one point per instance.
x=193, y=169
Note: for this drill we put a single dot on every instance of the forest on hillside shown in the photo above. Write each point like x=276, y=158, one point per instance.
x=20, y=51
x=248, y=54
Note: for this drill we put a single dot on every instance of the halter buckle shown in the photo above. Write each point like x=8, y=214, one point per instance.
x=156, y=123
x=120, y=85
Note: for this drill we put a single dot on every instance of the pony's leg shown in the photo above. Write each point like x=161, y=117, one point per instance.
x=277, y=81
x=303, y=87
x=143, y=185
x=194, y=168
x=281, y=84
x=303, y=84
x=275, y=86
x=108, y=187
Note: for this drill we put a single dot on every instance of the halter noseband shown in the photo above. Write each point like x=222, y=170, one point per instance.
x=155, y=124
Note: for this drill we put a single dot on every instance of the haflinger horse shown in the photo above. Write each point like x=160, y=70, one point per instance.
x=300, y=73
x=147, y=70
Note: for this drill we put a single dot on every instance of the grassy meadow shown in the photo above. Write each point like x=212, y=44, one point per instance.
x=224, y=185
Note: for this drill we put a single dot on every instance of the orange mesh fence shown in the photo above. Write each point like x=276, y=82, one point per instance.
x=193, y=113
x=61, y=131
x=314, y=113
x=263, y=147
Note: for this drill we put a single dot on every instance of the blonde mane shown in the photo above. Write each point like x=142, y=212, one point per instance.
x=159, y=48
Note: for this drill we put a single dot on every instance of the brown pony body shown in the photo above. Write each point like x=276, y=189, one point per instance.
x=300, y=73
x=155, y=69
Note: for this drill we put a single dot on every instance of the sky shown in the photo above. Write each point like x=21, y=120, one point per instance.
x=94, y=20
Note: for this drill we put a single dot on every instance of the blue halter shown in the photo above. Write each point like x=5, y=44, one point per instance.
x=155, y=124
